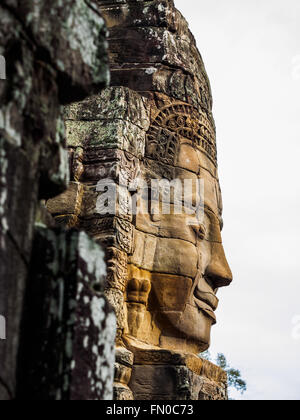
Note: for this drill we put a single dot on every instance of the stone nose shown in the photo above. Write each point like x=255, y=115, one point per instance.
x=218, y=270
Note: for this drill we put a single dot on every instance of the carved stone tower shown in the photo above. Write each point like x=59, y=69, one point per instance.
x=164, y=267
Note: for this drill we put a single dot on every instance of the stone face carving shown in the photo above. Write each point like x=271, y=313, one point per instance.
x=155, y=123
x=177, y=262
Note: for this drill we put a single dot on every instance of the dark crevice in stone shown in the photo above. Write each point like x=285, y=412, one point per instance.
x=18, y=249
x=7, y=388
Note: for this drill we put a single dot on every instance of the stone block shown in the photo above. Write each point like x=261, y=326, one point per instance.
x=110, y=231
x=82, y=35
x=123, y=370
x=170, y=376
x=124, y=14
x=115, y=103
x=169, y=293
x=67, y=350
x=68, y=202
x=175, y=256
x=12, y=285
x=145, y=247
x=112, y=164
x=48, y=65
x=107, y=134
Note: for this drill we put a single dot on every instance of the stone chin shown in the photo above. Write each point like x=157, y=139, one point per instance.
x=184, y=311
x=192, y=326
x=191, y=329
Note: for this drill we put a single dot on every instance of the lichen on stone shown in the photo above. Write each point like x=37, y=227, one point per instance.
x=3, y=193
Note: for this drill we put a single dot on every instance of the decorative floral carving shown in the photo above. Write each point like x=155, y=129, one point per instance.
x=180, y=120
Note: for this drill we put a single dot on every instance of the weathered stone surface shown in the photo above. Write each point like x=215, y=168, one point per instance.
x=118, y=134
x=67, y=350
x=155, y=14
x=94, y=205
x=158, y=112
x=115, y=103
x=160, y=255
x=165, y=375
x=144, y=251
x=123, y=371
x=55, y=53
x=16, y=189
x=72, y=26
x=110, y=231
x=120, y=167
x=15, y=247
x=165, y=295
x=68, y=202
x=116, y=298
x=170, y=383
x=11, y=300
x=152, y=49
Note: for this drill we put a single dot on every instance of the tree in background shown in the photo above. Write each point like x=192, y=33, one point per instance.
x=235, y=379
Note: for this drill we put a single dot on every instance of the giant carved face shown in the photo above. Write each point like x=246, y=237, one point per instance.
x=163, y=267
x=178, y=263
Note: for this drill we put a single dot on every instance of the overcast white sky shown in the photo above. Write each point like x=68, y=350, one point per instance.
x=248, y=48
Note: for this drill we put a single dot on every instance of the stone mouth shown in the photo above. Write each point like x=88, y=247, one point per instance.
x=202, y=306
x=205, y=308
x=208, y=298
x=206, y=302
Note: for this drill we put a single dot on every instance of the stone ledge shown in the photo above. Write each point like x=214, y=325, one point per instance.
x=160, y=374
x=148, y=355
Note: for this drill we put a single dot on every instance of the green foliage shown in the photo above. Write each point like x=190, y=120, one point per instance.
x=221, y=361
x=235, y=380
x=206, y=355
x=234, y=376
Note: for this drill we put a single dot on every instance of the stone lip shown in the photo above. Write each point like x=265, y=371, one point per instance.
x=203, y=306
x=209, y=298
